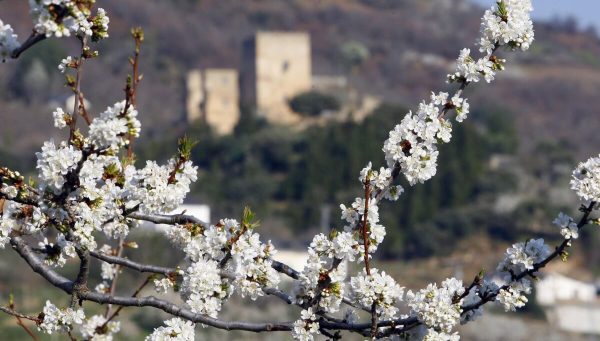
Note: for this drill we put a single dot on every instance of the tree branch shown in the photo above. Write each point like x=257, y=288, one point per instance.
x=150, y=301
x=33, y=39
x=133, y=265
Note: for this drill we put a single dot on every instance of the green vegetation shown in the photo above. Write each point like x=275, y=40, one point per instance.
x=290, y=175
x=314, y=103
x=352, y=54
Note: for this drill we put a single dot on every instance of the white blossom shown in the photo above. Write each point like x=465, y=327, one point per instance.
x=64, y=64
x=24, y=219
x=8, y=41
x=586, y=179
x=61, y=18
x=202, y=287
x=109, y=271
x=60, y=118
x=90, y=329
x=54, y=163
x=151, y=188
x=507, y=23
x=306, y=327
x=433, y=335
x=435, y=307
x=568, y=227
x=511, y=299
x=380, y=288
x=57, y=320
x=101, y=22
x=175, y=329
x=9, y=191
x=112, y=128
x=163, y=285
x=523, y=256
x=58, y=254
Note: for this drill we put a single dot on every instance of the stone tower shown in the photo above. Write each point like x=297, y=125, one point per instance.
x=276, y=67
x=213, y=97
x=222, y=97
x=194, y=96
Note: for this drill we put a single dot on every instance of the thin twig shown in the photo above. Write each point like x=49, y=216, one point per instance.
x=113, y=283
x=118, y=310
x=77, y=89
x=83, y=111
x=11, y=311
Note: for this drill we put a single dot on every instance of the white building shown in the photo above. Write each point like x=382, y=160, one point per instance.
x=570, y=305
x=554, y=288
x=576, y=317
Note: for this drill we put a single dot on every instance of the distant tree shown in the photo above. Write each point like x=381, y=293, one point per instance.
x=313, y=103
x=353, y=54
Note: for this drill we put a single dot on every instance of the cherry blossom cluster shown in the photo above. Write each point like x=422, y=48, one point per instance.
x=379, y=288
x=100, y=186
x=8, y=41
x=412, y=145
x=175, y=329
x=60, y=320
x=437, y=308
x=586, y=180
x=54, y=164
x=20, y=218
x=112, y=128
x=519, y=258
x=98, y=328
x=321, y=280
x=58, y=254
x=568, y=227
x=222, y=257
x=61, y=18
x=307, y=326
x=159, y=189
x=508, y=23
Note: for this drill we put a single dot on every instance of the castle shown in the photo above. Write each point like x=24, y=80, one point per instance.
x=276, y=66
x=213, y=96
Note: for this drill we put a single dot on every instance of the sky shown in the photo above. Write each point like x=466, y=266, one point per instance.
x=587, y=12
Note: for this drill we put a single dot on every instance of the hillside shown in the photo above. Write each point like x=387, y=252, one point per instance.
x=548, y=89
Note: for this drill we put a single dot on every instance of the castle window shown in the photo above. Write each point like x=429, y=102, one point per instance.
x=285, y=66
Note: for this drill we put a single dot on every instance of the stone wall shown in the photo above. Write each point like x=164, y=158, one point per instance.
x=282, y=70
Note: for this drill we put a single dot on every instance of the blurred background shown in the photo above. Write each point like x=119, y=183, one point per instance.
x=290, y=99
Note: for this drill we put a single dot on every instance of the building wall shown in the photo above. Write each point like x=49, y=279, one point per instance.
x=221, y=106
x=576, y=317
x=194, y=96
x=213, y=96
x=282, y=70
x=555, y=288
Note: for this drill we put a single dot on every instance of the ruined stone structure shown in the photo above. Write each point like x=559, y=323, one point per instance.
x=222, y=97
x=355, y=106
x=213, y=97
x=195, y=95
x=277, y=66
